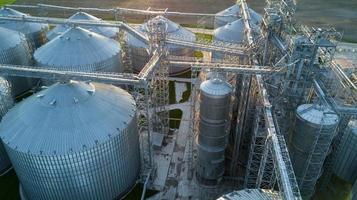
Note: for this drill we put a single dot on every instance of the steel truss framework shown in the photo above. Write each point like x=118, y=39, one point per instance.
x=284, y=66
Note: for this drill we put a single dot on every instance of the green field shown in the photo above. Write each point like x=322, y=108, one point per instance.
x=5, y=2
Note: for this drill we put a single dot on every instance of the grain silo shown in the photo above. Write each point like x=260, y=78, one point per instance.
x=232, y=14
x=78, y=49
x=74, y=140
x=6, y=102
x=252, y=194
x=231, y=33
x=34, y=32
x=140, y=53
x=310, y=142
x=345, y=165
x=213, y=134
x=110, y=32
x=14, y=50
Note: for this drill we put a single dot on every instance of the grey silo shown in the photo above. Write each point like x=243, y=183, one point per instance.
x=35, y=32
x=140, y=53
x=232, y=14
x=110, y=32
x=6, y=102
x=252, y=194
x=74, y=141
x=314, y=129
x=15, y=50
x=213, y=135
x=79, y=49
x=345, y=165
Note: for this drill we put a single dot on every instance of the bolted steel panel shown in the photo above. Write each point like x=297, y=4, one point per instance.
x=34, y=32
x=78, y=49
x=74, y=141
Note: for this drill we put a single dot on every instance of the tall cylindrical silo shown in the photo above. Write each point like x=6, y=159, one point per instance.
x=74, y=141
x=14, y=50
x=213, y=134
x=35, y=32
x=232, y=14
x=78, y=49
x=139, y=50
x=345, y=165
x=110, y=32
x=6, y=102
x=310, y=142
x=252, y=194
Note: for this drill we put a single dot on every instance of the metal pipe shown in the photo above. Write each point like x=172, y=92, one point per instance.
x=50, y=20
x=119, y=9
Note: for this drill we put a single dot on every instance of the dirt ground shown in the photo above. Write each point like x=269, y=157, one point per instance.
x=341, y=14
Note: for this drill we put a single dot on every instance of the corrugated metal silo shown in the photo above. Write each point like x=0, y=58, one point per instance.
x=252, y=194
x=74, y=141
x=345, y=165
x=80, y=49
x=110, y=32
x=139, y=50
x=6, y=102
x=232, y=14
x=35, y=32
x=213, y=135
x=310, y=142
x=231, y=33
x=14, y=50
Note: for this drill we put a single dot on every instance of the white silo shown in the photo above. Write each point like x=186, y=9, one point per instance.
x=139, y=50
x=78, y=49
x=110, y=32
x=6, y=102
x=15, y=50
x=35, y=32
x=232, y=14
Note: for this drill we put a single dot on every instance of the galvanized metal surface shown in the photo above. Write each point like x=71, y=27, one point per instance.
x=251, y=194
x=345, y=165
x=232, y=14
x=139, y=50
x=6, y=102
x=80, y=50
x=232, y=32
x=110, y=32
x=212, y=139
x=74, y=141
x=34, y=32
x=310, y=142
x=15, y=50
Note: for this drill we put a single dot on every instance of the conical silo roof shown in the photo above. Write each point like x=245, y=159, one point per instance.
x=80, y=49
x=173, y=29
x=317, y=115
x=110, y=32
x=216, y=86
x=232, y=32
x=67, y=117
x=10, y=39
x=232, y=14
x=31, y=30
